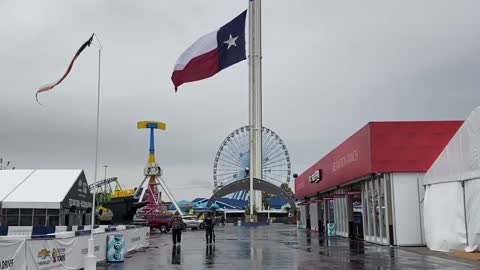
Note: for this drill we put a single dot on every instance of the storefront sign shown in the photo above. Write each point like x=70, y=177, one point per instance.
x=316, y=177
x=12, y=255
x=345, y=160
x=79, y=204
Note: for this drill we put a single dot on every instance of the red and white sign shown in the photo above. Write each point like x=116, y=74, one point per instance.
x=316, y=177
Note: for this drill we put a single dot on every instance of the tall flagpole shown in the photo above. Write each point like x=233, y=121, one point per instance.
x=255, y=98
x=91, y=259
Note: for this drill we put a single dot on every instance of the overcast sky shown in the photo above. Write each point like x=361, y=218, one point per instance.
x=329, y=67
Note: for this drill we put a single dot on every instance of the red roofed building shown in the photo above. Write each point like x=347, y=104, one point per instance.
x=371, y=185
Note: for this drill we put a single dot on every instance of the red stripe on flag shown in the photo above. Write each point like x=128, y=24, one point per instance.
x=49, y=87
x=199, y=68
x=52, y=85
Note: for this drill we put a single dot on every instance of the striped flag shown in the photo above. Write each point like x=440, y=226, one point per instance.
x=50, y=86
x=212, y=53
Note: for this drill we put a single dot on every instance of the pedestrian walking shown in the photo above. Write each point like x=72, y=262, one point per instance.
x=176, y=223
x=209, y=228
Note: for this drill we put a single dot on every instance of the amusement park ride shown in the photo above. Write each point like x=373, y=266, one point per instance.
x=149, y=191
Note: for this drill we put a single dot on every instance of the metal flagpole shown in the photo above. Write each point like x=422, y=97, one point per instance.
x=90, y=259
x=255, y=98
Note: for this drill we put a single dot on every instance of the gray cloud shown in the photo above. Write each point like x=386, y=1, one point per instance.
x=329, y=68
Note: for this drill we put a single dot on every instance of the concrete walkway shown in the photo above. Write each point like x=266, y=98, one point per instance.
x=277, y=247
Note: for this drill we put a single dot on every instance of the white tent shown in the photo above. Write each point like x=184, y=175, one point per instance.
x=10, y=180
x=36, y=188
x=452, y=194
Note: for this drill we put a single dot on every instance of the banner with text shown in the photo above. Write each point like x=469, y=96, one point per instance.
x=12, y=254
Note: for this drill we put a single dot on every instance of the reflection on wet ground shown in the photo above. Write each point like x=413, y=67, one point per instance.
x=275, y=247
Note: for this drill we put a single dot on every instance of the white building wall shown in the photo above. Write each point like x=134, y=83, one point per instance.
x=407, y=197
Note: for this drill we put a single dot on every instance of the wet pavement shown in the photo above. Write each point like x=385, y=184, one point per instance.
x=275, y=247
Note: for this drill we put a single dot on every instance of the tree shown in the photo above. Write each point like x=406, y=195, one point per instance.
x=287, y=189
x=266, y=199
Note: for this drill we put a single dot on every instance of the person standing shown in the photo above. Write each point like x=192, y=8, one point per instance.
x=176, y=223
x=209, y=224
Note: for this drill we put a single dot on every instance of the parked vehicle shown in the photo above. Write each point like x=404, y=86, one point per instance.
x=139, y=220
x=192, y=222
x=161, y=223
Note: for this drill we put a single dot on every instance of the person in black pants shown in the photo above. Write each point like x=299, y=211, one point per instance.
x=209, y=224
x=176, y=223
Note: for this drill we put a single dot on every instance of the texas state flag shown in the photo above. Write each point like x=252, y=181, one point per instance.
x=212, y=53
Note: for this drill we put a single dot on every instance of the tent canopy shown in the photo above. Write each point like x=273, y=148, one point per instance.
x=451, y=216
x=460, y=159
x=11, y=179
x=38, y=188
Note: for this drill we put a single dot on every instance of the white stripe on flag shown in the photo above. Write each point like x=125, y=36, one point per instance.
x=203, y=45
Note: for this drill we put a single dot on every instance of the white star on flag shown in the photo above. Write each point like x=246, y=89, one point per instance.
x=231, y=41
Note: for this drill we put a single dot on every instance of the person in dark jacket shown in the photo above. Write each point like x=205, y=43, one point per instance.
x=209, y=225
x=176, y=223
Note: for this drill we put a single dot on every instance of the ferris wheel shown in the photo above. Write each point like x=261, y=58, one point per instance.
x=233, y=158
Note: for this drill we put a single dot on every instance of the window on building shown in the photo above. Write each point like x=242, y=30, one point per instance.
x=12, y=215
x=25, y=220
x=87, y=218
x=13, y=211
x=39, y=217
x=53, y=217
x=67, y=220
x=26, y=217
x=53, y=220
x=331, y=207
x=53, y=212
x=12, y=221
x=2, y=217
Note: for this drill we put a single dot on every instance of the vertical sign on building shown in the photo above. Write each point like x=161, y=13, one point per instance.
x=116, y=248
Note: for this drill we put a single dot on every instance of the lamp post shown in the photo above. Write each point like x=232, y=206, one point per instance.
x=105, y=166
x=90, y=261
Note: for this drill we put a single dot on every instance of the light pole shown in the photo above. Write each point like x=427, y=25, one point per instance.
x=90, y=261
x=105, y=166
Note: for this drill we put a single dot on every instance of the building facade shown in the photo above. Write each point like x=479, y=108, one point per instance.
x=371, y=186
x=44, y=197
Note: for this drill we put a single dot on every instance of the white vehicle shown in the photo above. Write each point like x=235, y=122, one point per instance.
x=104, y=215
x=191, y=222
x=138, y=219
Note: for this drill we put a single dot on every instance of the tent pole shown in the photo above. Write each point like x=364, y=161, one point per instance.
x=465, y=212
